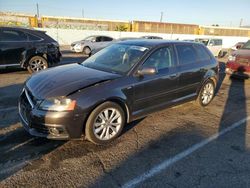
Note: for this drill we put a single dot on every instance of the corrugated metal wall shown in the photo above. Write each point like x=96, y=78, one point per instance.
x=109, y=25
x=158, y=27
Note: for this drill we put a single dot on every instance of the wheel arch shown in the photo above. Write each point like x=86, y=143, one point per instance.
x=116, y=100
x=211, y=75
x=87, y=46
x=28, y=58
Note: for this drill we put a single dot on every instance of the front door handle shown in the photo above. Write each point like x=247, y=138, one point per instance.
x=173, y=76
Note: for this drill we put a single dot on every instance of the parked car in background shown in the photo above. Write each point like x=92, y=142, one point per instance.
x=237, y=46
x=151, y=37
x=28, y=48
x=87, y=45
x=126, y=38
x=121, y=83
x=239, y=61
x=94, y=51
x=188, y=40
x=214, y=45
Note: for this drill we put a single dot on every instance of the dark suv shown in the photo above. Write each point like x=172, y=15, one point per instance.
x=123, y=82
x=28, y=48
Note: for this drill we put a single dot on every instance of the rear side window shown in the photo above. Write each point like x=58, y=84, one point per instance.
x=161, y=59
x=186, y=54
x=13, y=36
x=33, y=37
x=106, y=39
x=202, y=53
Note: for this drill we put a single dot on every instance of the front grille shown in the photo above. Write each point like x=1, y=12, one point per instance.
x=25, y=107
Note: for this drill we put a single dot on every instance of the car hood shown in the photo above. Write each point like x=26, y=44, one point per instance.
x=64, y=80
x=242, y=53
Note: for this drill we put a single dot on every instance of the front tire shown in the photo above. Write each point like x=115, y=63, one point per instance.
x=86, y=51
x=206, y=93
x=37, y=63
x=105, y=123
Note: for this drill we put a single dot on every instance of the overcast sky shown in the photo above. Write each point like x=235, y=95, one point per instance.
x=222, y=12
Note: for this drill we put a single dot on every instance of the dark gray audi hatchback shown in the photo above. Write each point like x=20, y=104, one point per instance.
x=123, y=82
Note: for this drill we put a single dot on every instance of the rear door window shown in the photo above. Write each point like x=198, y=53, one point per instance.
x=186, y=54
x=33, y=37
x=13, y=36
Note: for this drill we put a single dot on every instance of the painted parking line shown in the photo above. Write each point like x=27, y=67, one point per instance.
x=20, y=145
x=8, y=109
x=170, y=161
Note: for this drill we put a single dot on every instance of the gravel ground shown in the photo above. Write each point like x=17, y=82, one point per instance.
x=28, y=161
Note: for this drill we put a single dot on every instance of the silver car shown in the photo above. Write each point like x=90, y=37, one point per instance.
x=91, y=43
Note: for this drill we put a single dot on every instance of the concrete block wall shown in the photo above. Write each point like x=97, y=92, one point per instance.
x=67, y=36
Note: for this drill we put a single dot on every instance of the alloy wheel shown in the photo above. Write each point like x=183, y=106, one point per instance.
x=107, y=124
x=38, y=65
x=207, y=93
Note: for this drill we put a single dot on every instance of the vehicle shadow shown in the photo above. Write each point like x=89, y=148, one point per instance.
x=13, y=69
x=8, y=105
x=17, y=147
x=236, y=95
x=222, y=75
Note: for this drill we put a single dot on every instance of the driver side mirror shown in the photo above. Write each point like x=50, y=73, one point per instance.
x=147, y=71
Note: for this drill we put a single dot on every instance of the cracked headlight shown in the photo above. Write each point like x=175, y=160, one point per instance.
x=58, y=105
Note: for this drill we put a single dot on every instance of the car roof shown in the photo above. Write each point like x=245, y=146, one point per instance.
x=18, y=28
x=151, y=43
x=99, y=36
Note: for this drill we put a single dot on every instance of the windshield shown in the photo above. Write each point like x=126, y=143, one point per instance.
x=117, y=58
x=246, y=45
x=89, y=38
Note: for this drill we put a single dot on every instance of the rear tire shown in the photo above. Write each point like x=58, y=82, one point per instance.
x=206, y=93
x=105, y=123
x=36, y=64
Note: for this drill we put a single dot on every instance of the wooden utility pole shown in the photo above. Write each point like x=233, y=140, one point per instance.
x=37, y=10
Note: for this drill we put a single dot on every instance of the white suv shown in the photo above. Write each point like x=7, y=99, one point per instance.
x=214, y=45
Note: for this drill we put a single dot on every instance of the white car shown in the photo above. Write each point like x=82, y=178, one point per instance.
x=214, y=45
x=91, y=43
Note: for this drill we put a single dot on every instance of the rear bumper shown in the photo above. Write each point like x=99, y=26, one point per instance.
x=237, y=69
x=237, y=73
